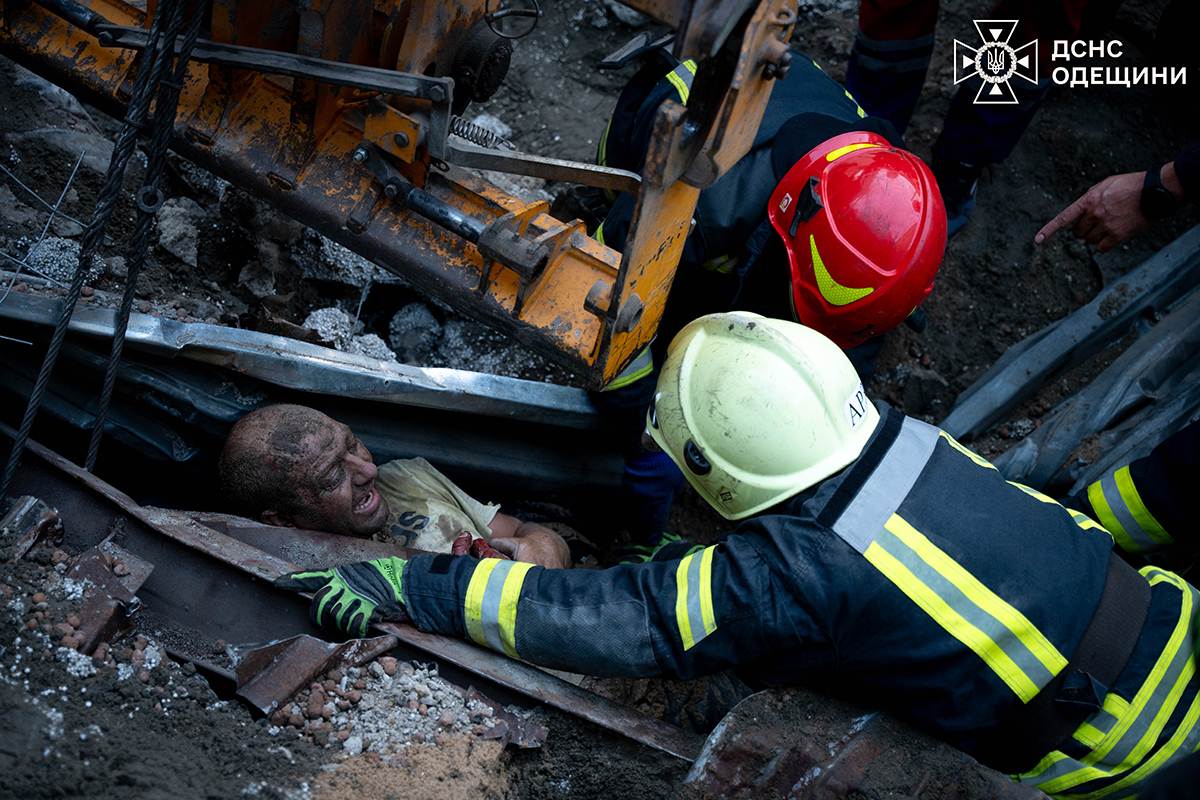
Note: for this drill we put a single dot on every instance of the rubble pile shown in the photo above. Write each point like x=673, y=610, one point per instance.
x=382, y=707
x=44, y=604
x=74, y=721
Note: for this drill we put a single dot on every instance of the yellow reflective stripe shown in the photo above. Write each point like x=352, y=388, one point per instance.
x=599, y=234
x=969, y=611
x=693, y=598
x=640, y=367
x=1081, y=519
x=1095, y=495
x=1086, y=522
x=1119, y=506
x=679, y=82
x=850, y=148
x=859, y=108
x=1092, y=732
x=1141, y=723
x=1141, y=514
x=833, y=292
x=509, y=597
x=1185, y=738
x=473, y=604
x=722, y=264
x=978, y=459
x=490, y=607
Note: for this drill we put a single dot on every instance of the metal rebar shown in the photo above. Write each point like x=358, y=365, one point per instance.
x=38, y=197
x=53, y=210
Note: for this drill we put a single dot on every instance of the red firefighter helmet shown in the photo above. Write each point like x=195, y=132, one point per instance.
x=865, y=229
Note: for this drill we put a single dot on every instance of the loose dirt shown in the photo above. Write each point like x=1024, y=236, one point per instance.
x=137, y=727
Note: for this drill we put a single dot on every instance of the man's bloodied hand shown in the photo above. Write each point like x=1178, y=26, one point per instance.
x=527, y=542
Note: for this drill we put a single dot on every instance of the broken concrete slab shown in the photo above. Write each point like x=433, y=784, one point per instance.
x=97, y=149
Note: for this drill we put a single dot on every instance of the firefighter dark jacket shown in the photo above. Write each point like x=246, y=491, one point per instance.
x=916, y=579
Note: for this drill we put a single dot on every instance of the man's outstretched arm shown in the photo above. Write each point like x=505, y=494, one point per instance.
x=529, y=542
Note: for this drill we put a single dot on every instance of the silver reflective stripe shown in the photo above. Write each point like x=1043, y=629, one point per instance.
x=888, y=485
x=1120, y=510
x=641, y=366
x=489, y=610
x=695, y=616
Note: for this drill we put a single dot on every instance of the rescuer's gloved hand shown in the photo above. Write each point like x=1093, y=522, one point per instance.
x=348, y=598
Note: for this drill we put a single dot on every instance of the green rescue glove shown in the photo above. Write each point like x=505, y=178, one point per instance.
x=348, y=598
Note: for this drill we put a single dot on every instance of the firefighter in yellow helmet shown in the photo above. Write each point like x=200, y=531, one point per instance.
x=873, y=553
x=828, y=221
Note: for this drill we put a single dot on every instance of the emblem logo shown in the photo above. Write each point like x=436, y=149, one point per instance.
x=996, y=62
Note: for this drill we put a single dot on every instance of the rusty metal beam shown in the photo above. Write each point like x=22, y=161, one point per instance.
x=31, y=522
x=112, y=577
x=271, y=674
x=793, y=742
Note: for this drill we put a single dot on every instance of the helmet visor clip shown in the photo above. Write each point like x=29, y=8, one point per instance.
x=807, y=205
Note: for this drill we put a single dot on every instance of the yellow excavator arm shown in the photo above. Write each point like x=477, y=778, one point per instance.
x=343, y=114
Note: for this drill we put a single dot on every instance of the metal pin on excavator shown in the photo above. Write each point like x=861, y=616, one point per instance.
x=344, y=115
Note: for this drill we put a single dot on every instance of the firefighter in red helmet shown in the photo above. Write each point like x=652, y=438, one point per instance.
x=827, y=221
x=864, y=229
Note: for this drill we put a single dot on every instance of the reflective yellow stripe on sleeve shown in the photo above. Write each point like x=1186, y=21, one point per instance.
x=490, y=606
x=966, y=451
x=1001, y=635
x=681, y=79
x=693, y=598
x=1120, y=509
x=721, y=264
x=1081, y=519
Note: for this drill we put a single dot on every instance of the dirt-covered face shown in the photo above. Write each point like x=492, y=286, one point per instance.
x=335, y=484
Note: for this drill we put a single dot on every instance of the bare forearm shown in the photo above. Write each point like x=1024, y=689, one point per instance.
x=531, y=543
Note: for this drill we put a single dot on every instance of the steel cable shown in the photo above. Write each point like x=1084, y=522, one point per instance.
x=164, y=123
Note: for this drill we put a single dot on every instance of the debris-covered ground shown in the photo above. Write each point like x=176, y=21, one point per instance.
x=132, y=723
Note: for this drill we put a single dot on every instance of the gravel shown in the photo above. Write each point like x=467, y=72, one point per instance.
x=381, y=707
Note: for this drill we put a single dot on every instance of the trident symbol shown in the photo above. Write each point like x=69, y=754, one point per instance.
x=995, y=61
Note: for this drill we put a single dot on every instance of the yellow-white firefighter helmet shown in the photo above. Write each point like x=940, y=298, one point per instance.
x=754, y=410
